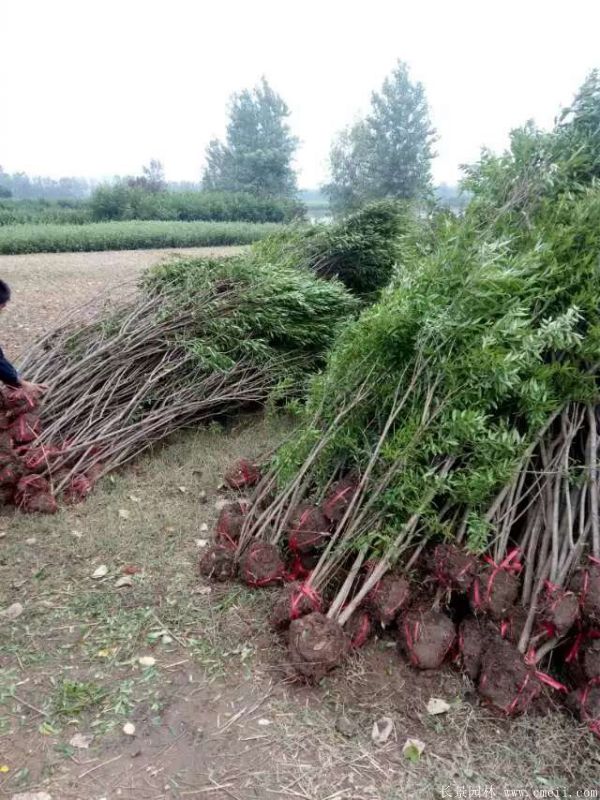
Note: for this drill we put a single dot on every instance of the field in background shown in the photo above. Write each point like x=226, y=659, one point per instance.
x=46, y=285
x=132, y=235
x=215, y=711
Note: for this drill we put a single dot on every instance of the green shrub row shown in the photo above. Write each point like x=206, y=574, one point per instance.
x=44, y=238
x=121, y=202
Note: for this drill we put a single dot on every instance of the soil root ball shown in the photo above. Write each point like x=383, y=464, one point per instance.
x=317, y=645
x=471, y=642
x=426, y=637
x=359, y=628
x=585, y=704
x=25, y=428
x=505, y=682
x=388, y=598
x=512, y=626
x=33, y=495
x=241, y=473
x=494, y=591
x=559, y=610
x=261, y=565
x=453, y=568
x=338, y=499
x=294, y=601
x=590, y=658
x=586, y=585
x=218, y=563
x=229, y=524
x=308, y=529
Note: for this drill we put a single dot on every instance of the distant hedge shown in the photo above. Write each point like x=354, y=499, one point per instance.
x=133, y=235
x=122, y=202
x=61, y=212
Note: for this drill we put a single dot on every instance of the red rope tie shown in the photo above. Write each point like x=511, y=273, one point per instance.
x=550, y=681
x=509, y=564
x=511, y=708
x=311, y=595
x=297, y=570
x=411, y=638
x=361, y=634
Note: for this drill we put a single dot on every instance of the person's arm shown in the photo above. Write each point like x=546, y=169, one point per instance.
x=10, y=377
x=8, y=374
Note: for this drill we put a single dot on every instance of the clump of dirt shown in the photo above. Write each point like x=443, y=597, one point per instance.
x=505, y=681
x=308, y=529
x=261, y=565
x=389, y=597
x=359, y=628
x=426, y=637
x=585, y=704
x=317, y=645
x=242, y=473
x=25, y=428
x=586, y=585
x=33, y=495
x=77, y=489
x=471, y=641
x=230, y=523
x=494, y=591
x=512, y=627
x=294, y=601
x=338, y=499
x=453, y=568
x=590, y=658
x=218, y=563
x=559, y=611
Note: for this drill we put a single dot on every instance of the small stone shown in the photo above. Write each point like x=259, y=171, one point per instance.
x=12, y=613
x=147, y=661
x=203, y=528
x=437, y=705
x=31, y=540
x=81, y=741
x=382, y=730
x=345, y=727
x=202, y=496
x=100, y=572
x=126, y=580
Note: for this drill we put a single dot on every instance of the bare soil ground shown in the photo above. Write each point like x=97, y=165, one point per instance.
x=215, y=711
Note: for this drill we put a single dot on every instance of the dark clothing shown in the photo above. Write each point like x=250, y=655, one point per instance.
x=8, y=374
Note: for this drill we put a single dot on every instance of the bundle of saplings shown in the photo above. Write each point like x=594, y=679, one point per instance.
x=445, y=479
x=360, y=250
x=198, y=339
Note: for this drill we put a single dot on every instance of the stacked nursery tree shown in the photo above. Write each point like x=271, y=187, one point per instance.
x=447, y=468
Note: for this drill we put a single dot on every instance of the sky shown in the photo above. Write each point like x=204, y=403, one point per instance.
x=95, y=89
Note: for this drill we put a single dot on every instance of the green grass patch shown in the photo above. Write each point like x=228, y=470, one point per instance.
x=133, y=235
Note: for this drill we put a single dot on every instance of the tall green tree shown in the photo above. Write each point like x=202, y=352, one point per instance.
x=388, y=154
x=259, y=147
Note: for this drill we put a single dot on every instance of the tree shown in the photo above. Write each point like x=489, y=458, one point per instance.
x=152, y=178
x=388, y=154
x=258, y=150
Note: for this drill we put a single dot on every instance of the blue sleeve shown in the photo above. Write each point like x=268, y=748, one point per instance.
x=8, y=374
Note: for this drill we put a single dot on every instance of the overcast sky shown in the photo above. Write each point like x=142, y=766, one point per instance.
x=97, y=88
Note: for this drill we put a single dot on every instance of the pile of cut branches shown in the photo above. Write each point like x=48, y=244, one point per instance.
x=197, y=340
x=447, y=468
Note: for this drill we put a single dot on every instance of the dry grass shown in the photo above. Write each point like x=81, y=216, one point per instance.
x=200, y=711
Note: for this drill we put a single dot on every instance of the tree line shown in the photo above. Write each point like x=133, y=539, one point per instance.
x=387, y=154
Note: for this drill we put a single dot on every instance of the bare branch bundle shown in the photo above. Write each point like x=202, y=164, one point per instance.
x=191, y=345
